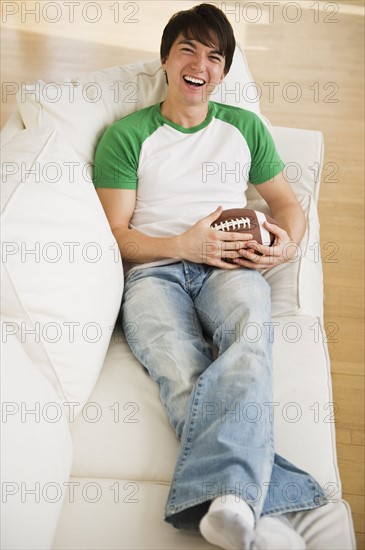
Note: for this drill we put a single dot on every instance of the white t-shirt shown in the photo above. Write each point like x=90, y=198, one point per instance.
x=183, y=174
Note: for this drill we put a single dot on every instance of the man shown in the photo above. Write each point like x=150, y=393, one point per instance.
x=179, y=289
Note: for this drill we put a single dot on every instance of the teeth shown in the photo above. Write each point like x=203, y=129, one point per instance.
x=194, y=80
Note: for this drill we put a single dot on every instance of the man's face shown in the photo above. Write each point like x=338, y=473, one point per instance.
x=193, y=70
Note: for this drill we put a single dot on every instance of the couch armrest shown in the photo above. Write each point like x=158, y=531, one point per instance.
x=302, y=151
x=12, y=126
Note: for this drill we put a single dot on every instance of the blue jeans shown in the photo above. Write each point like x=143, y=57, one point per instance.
x=219, y=404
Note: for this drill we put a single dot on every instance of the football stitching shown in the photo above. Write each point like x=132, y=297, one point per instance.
x=238, y=223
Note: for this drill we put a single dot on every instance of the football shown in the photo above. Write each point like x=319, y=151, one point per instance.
x=245, y=220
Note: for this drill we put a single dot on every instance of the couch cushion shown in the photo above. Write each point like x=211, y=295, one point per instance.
x=132, y=439
x=13, y=125
x=36, y=452
x=63, y=277
x=126, y=514
x=297, y=287
x=85, y=107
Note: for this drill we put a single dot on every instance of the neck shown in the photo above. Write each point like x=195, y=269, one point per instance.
x=186, y=116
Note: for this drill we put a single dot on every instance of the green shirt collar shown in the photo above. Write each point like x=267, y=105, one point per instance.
x=182, y=129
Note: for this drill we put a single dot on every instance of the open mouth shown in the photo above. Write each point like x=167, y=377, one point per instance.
x=193, y=81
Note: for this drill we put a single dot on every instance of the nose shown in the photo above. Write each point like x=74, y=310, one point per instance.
x=198, y=63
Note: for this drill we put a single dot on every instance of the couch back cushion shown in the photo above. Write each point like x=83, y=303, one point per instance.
x=62, y=273
x=84, y=107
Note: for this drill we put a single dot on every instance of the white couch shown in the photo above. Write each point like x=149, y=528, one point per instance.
x=87, y=451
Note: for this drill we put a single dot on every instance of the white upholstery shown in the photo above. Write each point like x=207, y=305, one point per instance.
x=297, y=287
x=63, y=278
x=13, y=125
x=124, y=449
x=132, y=519
x=36, y=452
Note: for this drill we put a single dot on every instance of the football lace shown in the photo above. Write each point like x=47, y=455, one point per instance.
x=238, y=223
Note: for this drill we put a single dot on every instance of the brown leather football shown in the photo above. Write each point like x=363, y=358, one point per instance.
x=246, y=220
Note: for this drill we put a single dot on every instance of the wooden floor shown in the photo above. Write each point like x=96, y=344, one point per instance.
x=322, y=54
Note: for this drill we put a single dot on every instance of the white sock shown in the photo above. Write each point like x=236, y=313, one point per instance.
x=276, y=533
x=229, y=523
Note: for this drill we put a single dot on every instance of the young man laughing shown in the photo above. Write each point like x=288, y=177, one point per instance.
x=182, y=294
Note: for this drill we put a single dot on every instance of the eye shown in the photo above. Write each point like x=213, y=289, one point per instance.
x=187, y=50
x=216, y=57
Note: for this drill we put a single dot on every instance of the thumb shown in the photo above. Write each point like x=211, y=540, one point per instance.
x=273, y=227
x=214, y=215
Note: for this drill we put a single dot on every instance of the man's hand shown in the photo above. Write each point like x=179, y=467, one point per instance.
x=259, y=257
x=203, y=244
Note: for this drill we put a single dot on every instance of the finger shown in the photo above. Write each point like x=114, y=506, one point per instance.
x=232, y=236
x=262, y=249
x=232, y=249
x=261, y=262
x=251, y=256
x=247, y=263
x=216, y=257
x=265, y=261
x=225, y=252
x=225, y=265
x=231, y=255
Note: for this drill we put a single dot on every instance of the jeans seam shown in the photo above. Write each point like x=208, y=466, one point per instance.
x=186, y=443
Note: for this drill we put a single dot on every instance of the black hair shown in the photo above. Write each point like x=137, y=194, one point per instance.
x=206, y=24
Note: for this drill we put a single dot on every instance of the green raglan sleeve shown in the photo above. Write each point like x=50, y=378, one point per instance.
x=115, y=163
x=265, y=160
